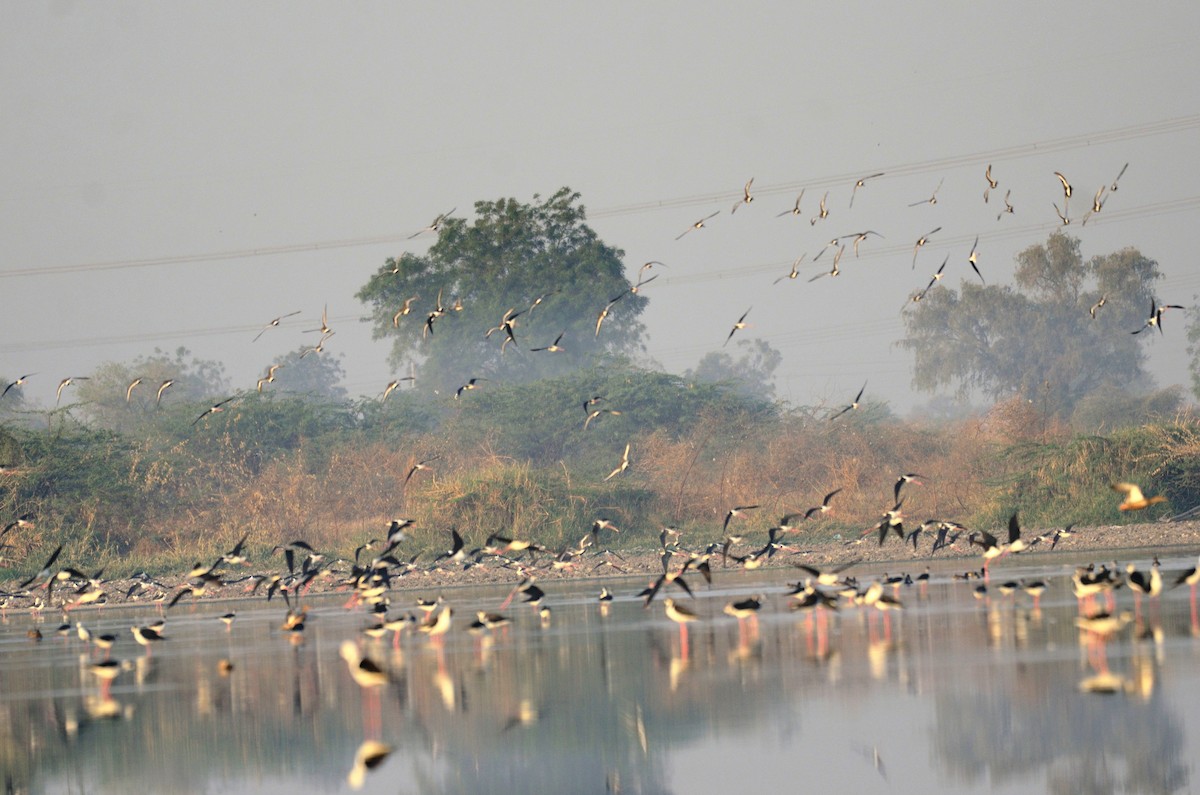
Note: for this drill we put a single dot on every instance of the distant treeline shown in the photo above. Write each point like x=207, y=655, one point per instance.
x=533, y=461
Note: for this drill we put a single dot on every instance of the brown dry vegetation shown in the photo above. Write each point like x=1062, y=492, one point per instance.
x=170, y=499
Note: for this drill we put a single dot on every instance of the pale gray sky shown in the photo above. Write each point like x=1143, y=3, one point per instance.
x=233, y=144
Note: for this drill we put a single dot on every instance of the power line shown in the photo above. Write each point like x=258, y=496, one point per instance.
x=1048, y=146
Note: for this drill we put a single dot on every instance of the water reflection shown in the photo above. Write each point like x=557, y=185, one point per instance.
x=951, y=693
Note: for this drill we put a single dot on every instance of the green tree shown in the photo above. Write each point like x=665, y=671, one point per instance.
x=1046, y=339
x=307, y=374
x=110, y=402
x=1193, y=335
x=538, y=264
x=752, y=373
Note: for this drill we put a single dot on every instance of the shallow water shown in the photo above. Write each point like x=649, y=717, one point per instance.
x=952, y=694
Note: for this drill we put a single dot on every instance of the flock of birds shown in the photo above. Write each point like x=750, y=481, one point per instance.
x=380, y=567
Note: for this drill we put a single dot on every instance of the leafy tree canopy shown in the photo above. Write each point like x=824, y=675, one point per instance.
x=112, y=400
x=752, y=373
x=307, y=374
x=537, y=264
x=1040, y=339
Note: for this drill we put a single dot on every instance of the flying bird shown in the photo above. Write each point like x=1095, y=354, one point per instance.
x=419, y=465
x=1008, y=208
x=163, y=388
x=974, y=259
x=1113, y=188
x=214, y=408
x=699, y=224
x=1096, y=306
x=933, y=197
x=834, y=270
x=824, y=507
x=1155, y=319
x=404, y=310
x=740, y=324
x=66, y=382
x=795, y=270
x=1062, y=215
x=604, y=312
x=269, y=378
x=18, y=382
x=130, y=388
x=739, y=510
x=822, y=213
x=795, y=207
x=860, y=182
x=273, y=324
x=1065, y=185
x=435, y=226
x=937, y=277
x=1134, y=499
x=860, y=237
x=624, y=465
x=992, y=184
x=472, y=384
x=552, y=347
x=746, y=197
x=921, y=241
x=853, y=404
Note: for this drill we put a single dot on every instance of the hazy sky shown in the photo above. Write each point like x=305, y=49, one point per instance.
x=179, y=174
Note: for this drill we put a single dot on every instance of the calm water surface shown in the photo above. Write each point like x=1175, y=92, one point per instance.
x=953, y=694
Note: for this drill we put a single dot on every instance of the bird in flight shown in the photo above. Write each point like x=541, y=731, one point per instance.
x=795, y=207
x=937, y=277
x=214, y=409
x=822, y=213
x=1096, y=306
x=404, y=310
x=921, y=241
x=604, y=312
x=1008, y=208
x=823, y=507
x=1155, y=319
x=974, y=259
x=269, y=378
x=472, y=384
x=1113, y=187
x=18, y=382
x=739, y=510
x=163, y=388
x=932, y=198
x=596, y=413
x=837, y=258
x=273, y=324
x=1134, y=499
x=1097, y=205
x=740, y=324
x=435, y=226
x=853, y=404
x=418, y=466
x=63, y=384
x=860, y=237
x=129, y=390
x=699, y=224
x=624, y=465
x=746, y=196
x=393, y=386
x=992, y=184
x=552, y=347
x=860, y=182
x=795, y=269
x=1063, y=218
x=1066, y=186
